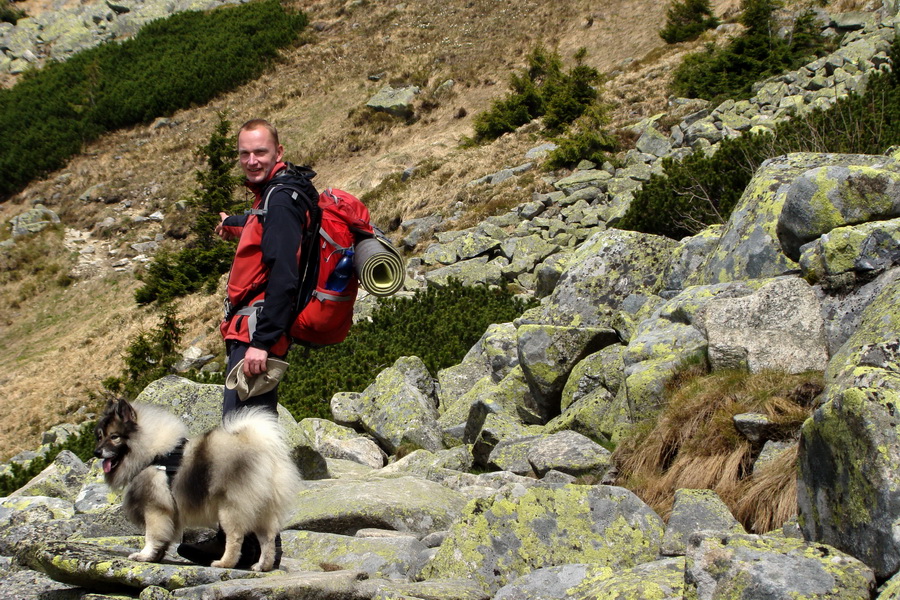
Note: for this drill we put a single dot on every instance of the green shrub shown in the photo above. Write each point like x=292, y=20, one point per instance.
x=542, y=90
x=171, y=64
x=175, y=274
x=81, y=444
x=730, y=71
x=701, y=190
x=149, y=356
x=698, y=191
x=437, y=325
x=9, y=13
x=585, y=140
x=686, y=20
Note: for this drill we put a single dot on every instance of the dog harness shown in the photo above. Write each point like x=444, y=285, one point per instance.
x=170, y=462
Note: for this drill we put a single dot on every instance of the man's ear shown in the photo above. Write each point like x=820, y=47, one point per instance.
x=280, y=153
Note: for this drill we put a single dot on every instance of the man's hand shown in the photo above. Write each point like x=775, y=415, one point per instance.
x=221, y=231
x=255, y=361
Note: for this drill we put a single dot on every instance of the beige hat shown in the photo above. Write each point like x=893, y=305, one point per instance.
x=258, y=384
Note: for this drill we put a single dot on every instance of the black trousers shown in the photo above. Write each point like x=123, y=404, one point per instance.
x=269, y=400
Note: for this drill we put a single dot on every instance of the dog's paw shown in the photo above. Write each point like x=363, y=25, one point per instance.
x=221, y=564
x=258, y=567
x=140, y=557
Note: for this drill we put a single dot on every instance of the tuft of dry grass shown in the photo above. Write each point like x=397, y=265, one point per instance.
x=767, y=499
x=693, y=444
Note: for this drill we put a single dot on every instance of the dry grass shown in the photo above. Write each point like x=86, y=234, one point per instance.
x=767, y=499
x=694, y=444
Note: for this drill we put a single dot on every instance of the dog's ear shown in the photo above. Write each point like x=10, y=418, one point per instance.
x=125, y=411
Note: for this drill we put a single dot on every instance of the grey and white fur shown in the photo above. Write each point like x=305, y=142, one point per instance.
x=239, y=475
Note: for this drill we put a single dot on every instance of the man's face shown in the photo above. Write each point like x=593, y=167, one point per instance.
x=258, y=154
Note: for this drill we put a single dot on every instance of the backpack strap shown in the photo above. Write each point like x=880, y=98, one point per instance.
x=309, y=250
x=326, y=296
x=296, y=193
x=330, y=240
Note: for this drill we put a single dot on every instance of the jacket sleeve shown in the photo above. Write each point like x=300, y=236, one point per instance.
x=234, y=224
x=283, y=231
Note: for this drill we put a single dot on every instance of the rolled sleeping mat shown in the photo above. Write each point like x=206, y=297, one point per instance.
x=380, y=267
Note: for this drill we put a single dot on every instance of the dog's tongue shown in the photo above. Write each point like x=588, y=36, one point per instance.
x=107, y=465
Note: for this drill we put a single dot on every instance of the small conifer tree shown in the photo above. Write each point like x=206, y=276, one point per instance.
x=206, y=256
x=217, y=183
x=686, y=20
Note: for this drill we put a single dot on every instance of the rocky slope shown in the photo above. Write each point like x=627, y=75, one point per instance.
x=108, y=197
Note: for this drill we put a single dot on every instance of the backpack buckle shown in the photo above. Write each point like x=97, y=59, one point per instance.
x=228, y=309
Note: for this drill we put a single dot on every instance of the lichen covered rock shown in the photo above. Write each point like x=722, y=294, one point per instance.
x=696, y=510
x=405, y=504
x=199, y=405
x=603, y=369
x=606, y=269
x=61, y=479
x=749, y=247
x=93, y=567
x=849, y=484
x=401, y=406
x=844, y=189
x=750, y=566
x=659, y=580
x=547, y=354
x=859, y=249
x=390, y=557
x=334, y=441
x=517, y=531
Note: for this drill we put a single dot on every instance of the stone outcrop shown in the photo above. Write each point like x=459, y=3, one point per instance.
x=516, y=532
x=70, y=27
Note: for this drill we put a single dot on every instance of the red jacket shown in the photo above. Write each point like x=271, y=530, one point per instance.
x=266, y=263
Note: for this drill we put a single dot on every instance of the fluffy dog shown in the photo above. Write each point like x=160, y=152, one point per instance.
x=239, y=475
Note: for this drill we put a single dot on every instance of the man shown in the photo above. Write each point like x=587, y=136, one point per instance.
x=265, y=277
x=263, y=284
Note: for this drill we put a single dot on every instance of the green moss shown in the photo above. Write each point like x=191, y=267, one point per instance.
x=868, y=199
x=838, y=428
x=827, y=216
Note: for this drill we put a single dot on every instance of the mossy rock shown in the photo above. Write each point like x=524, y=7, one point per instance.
x=750, y=566
x=844, y=190
x=97, y=568
x=506, y=536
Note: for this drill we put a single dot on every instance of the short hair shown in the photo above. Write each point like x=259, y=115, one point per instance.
x=260, y=124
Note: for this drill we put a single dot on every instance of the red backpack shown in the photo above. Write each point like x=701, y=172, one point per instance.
x=327, y=315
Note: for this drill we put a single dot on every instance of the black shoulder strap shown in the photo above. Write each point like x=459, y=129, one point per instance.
x=309, y=249
x=171, y=461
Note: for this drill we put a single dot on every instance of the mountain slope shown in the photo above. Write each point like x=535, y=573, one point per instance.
x=58, y=343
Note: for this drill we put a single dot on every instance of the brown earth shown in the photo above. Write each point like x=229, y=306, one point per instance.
x=58, y=343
